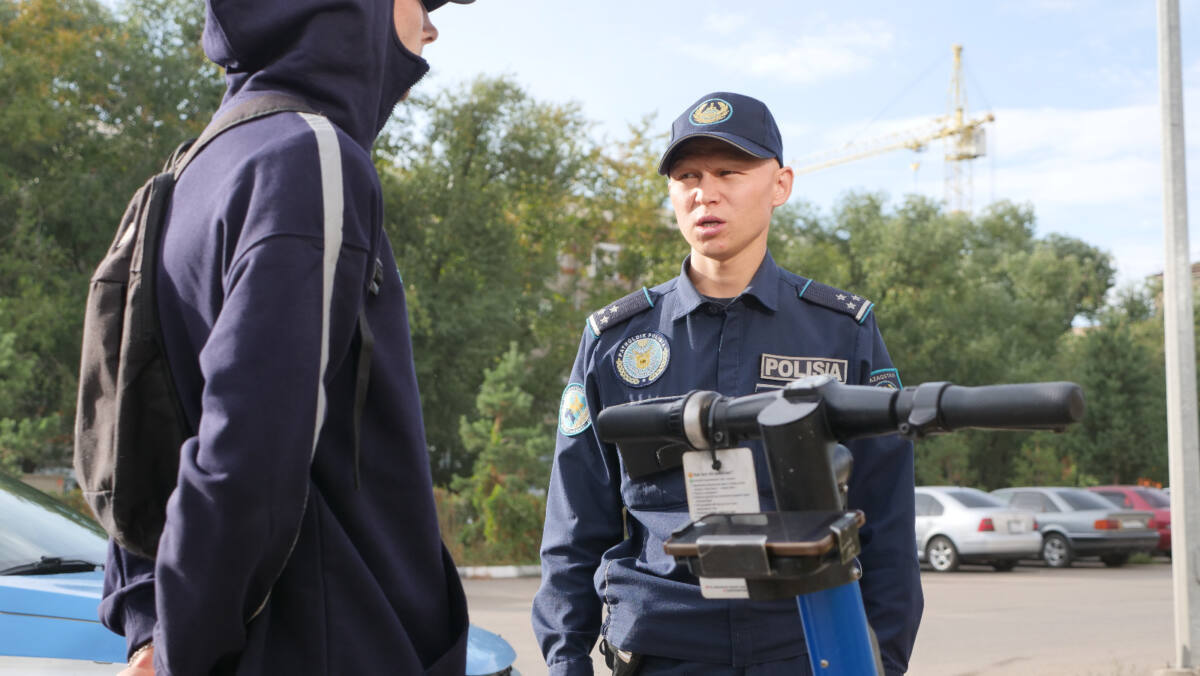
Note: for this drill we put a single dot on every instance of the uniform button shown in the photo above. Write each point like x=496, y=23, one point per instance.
x=712, y=309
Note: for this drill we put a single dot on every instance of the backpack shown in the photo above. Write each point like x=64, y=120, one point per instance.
x=129, y=422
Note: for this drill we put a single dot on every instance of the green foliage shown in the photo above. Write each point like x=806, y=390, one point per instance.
x=509, y=225
x=1126, y=387
x=496, y=204
x=92, y=106
x=1119, y=364
x=1041, y=462
x=479, y=186
x=512, y=443
x=970, y=300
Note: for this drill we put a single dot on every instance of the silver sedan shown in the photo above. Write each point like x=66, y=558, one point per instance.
x=965, y=525
x=1078, y=523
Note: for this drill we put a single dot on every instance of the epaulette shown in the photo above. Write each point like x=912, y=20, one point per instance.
x=837, y=300
x=619, y=310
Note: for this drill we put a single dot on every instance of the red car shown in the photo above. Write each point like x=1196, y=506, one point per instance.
x=1144, y=498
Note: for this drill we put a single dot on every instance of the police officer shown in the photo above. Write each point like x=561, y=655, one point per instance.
x=736, y=323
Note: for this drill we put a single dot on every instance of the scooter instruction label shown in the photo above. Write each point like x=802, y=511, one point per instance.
x=730, y=488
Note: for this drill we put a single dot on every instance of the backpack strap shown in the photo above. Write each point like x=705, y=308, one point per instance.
x=366, y=348
x=259, y=106
x=262, y=106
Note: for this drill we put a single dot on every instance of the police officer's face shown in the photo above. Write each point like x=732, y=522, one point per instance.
x=723, y=198
x=413, y=26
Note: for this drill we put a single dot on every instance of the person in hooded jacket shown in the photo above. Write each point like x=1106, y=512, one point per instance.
x=285, y=551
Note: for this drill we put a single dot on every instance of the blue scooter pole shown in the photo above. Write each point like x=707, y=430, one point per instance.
x=836, y=629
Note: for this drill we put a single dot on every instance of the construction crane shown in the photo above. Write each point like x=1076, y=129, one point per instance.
x=965, y=139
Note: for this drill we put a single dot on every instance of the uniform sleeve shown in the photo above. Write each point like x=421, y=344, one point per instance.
x=127, y=606
x=583, y=520
x=243, y=479
x=882, y=486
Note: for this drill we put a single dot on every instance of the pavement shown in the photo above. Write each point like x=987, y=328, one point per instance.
x=1087, y=620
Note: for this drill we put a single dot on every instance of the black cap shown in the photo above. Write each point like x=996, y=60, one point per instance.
x=740, y=121
x=431, y=5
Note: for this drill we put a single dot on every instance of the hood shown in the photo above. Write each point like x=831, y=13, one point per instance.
x=342, y=56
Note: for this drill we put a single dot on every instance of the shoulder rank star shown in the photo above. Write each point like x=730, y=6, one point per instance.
x=835, y=299
x=619, y=310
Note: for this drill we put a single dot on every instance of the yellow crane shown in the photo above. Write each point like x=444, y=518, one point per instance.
x=965, y=139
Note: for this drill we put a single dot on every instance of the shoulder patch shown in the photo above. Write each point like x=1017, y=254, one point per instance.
x=573, y=414
x=835, y=299
x=619, y=310
x=889, y=378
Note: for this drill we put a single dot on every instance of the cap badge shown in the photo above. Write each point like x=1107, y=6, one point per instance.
x=712, y=111
x=643, y=358
x=573, y=414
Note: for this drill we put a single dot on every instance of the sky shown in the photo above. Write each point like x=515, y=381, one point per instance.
x=1073, y=86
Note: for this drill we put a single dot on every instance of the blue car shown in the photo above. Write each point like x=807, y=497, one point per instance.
x=51, y=573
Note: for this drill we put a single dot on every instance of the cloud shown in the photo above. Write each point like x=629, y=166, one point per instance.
x=1081, y=135
x=841, y=49
x=1070, y=180
x=1050, y=155
x=724, y=23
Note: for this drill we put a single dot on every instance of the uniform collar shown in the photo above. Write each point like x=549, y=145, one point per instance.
x=763, y=287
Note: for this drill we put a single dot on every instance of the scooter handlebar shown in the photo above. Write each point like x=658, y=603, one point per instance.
x=1022, y=406
x=703, y=420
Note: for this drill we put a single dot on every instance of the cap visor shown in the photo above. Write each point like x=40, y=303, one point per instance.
x=748, y=147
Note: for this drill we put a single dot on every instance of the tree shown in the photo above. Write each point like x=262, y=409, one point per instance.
x=495, y=205
x=1119, y=363
x=92, y=107
x=513, y=445
x=973, y=301
x=1122, y=438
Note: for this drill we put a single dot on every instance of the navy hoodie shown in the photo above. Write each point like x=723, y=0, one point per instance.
x=282, y=553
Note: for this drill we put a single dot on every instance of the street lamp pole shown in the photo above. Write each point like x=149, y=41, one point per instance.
x=1182, y=421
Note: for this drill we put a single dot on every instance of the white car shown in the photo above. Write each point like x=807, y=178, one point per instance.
x=957, y=525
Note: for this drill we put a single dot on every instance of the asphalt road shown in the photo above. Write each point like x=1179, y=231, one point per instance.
x=1084, y=621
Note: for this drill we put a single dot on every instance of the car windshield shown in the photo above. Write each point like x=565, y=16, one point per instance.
x=1155, y=498
x=34, y=527
x=1081, y=499
x=971, y=498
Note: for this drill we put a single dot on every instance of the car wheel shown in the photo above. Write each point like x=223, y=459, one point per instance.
x=1115, y=560
x=1056, y=551
x=1004, y=566
x=941, y=554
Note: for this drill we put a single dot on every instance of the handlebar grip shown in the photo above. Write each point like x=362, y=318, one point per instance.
x=1025, y=406
x=644, y=420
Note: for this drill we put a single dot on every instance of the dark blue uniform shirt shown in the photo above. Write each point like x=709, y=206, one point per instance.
x=777, y=329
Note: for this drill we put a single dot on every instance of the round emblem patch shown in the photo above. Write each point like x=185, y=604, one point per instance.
x=712, y=111
x=573, y=415
x=643, y=358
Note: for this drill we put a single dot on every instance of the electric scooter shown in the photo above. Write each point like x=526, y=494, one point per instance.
x=807, y=548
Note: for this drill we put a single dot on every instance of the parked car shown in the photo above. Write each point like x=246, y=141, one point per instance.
x=1077, y=523
x=1147, y=499
x=965, y=525
x=51, y=574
